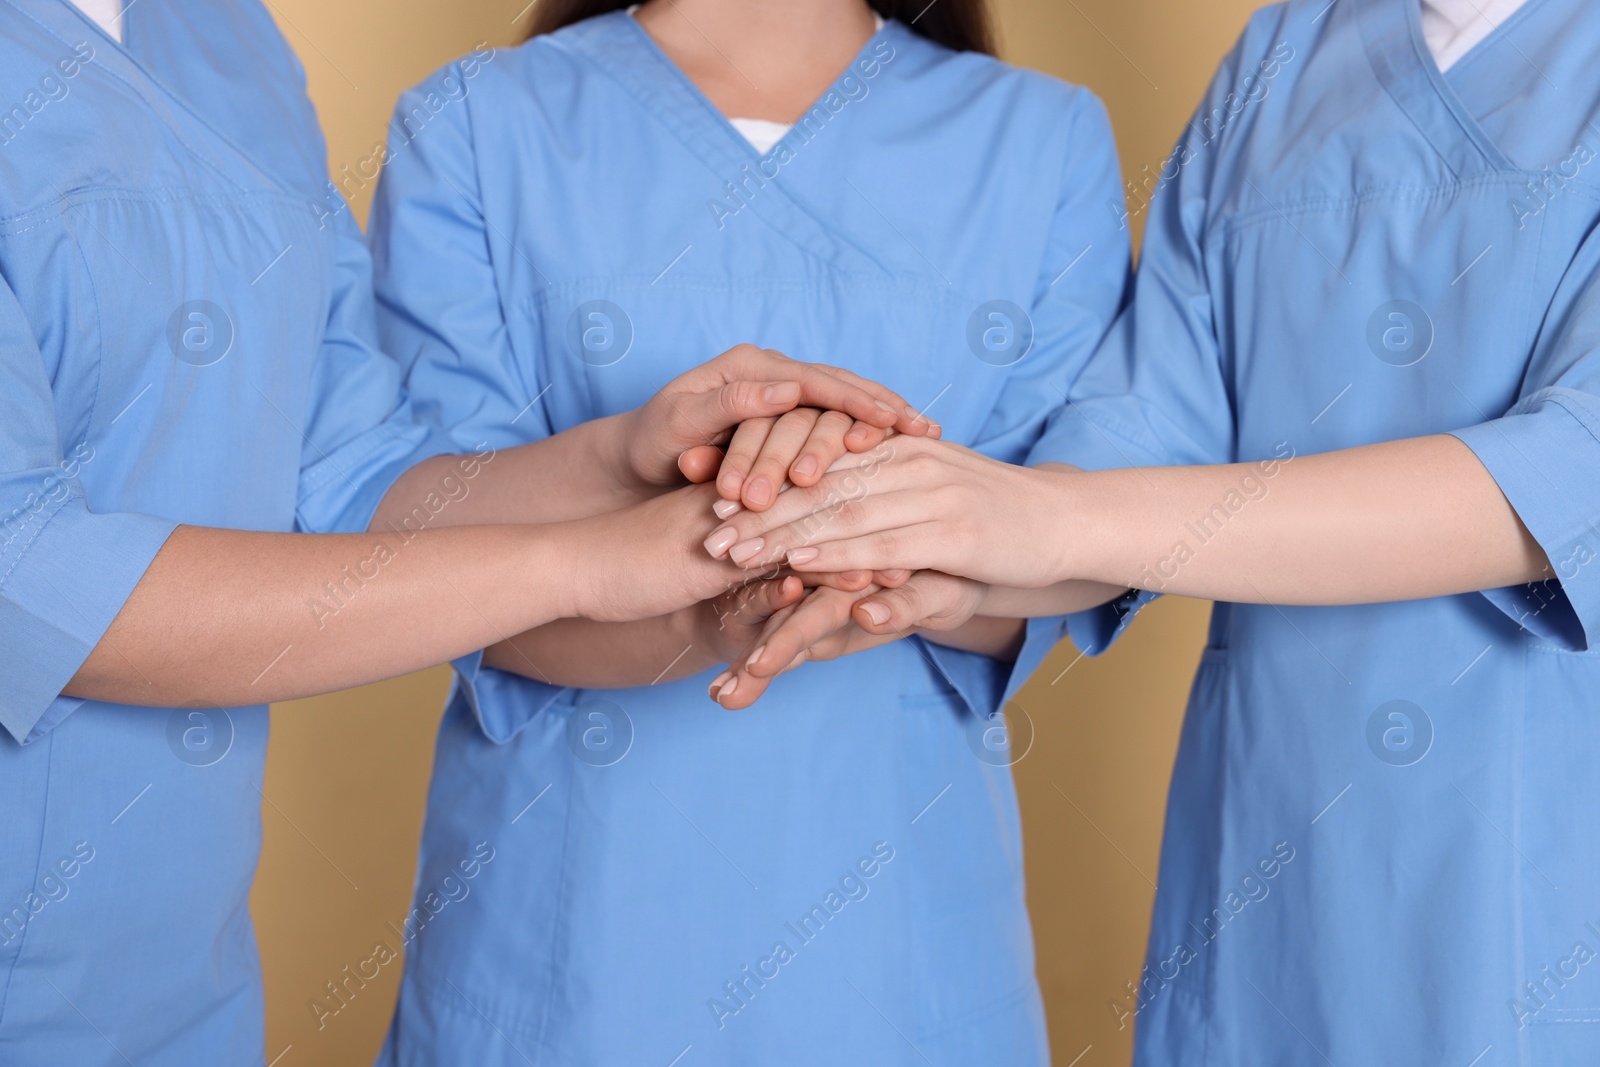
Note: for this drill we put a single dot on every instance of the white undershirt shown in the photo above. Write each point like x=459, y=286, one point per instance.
x=1453, y=27
x=764, y=133
x=108, y=13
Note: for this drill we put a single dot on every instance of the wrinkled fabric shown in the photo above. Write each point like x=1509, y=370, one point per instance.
x=186, y=336
x=1379, y=844
x=561, y=229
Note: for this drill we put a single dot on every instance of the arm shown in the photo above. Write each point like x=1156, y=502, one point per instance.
x=229, y=617
x=1395, y=521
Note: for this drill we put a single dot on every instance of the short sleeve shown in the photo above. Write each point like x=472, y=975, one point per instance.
x=1544, y=453
x=1155, y=392
x=440, y=311
x=360, y=433
x=1081, y=285
x=65, y=571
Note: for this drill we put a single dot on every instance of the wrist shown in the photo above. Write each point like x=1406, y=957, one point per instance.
x=553, y=560
x=613, y=454
x=1054, y=515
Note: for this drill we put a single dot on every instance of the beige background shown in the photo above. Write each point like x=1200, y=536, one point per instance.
x=347, y=774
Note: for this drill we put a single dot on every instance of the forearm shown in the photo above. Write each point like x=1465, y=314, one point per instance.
x=228, y=617
x=1395, y=521
x=574, y=474
x=997, y=638
x=599, y=655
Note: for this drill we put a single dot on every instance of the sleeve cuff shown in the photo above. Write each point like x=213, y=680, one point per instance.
x=1545, y=457
x=58, y=595
x=503, y=703
x=1097, y=629
x=1093, y=439
x=341, y=492
x=979, y=680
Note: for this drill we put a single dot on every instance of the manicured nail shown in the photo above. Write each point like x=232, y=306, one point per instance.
x=721, y=540
x=892, y=575
x=759, y=491
x=745, y=549
x=782, y=393
x=935, y=430
x=717, y=683
x=856, y=577
x=916, y=416
x=755, y=657
x=726, y=509
x=876, y=612
x=857, y=434
x=801, y=556
x=730, y=481
x=887, y=407
x=806, y=467
x=727, y=690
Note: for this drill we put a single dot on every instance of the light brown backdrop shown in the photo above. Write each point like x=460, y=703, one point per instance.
x=347, y=774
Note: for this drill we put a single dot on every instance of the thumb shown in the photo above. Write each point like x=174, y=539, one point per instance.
x=700, y=463
x=890, y=611
x=729, y=405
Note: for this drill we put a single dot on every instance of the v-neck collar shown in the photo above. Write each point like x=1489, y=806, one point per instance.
x=126, y=68
x=620, y=47
x=1392, y=33
x=631, y=55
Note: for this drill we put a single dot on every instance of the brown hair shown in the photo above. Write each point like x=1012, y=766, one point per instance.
x=961, y=25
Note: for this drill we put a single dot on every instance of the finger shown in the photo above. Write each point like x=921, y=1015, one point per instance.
x=930, y=599
x=853, y=475
x=919, y=545
x=759, y=601
x=825, y=445
x=862, y=437
x=908, y=420
x=741, y=454
x=892, y=579
x=801, y=545
x=770, y=470
x=850, y=581
x=701, y=463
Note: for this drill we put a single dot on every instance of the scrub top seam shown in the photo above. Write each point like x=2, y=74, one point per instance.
x=163, y=194
x=1247, y=218
x=38, y=864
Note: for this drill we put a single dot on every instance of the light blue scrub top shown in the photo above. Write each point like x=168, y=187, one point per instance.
x=186, y=336
x=555, y=249
x=1381, y=840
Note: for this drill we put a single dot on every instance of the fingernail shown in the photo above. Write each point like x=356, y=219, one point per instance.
x=759, y=491
x=806, y=467
x=801, y=556
x=725, y=509
x=856, y=576
x=887, y=407
x=782, y=393
x=916, y=416
x=859, y=433
x=721, y=540
x=935, y=430
x=727, y=690
x=717, y=683
x=755, y=657
x=893, y=576
x=730, y=481
x=745, y=549
x=876, y=612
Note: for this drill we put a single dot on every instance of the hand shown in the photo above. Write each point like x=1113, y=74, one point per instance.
x=830, y=623
x=642, y=561
x=701, y=408
x=913, y=504
x=726, y=626
x=797, y=447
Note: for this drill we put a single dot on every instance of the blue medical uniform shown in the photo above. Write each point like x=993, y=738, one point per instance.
x=555, y=238
x=1380, y=842
x=186, y=336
